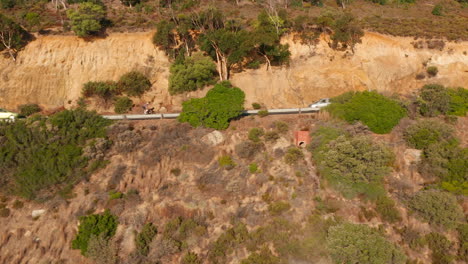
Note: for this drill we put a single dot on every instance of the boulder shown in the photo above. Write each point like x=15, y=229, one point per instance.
x=412, y=156
x=214, y=138
x=37, y=213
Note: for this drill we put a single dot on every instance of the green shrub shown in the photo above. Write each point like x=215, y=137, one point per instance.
x=97, y=224
x=253, y=167
x=281, y=127
x=104, y=90
x=271, y=136
x=357, y=243
x=226, y=242
x=293, y=155
x=265, y=256
x=437, y=208
x=18, y=204
x=176, y=172
x=29, y=109
x=115, y=195
x=374, y=110
x=387, y=210
x=458, y=101
x=354, y=165
x=263, y=113
x=86, y=19
x=4, y=212
x=248, y=149
x=432, y=71
x=36, y=156
x=437, y=11
x=426, y=132
x=123, y=105
x=144, y=238
x=463, y=240
x=433, y=100
x=256, y=106
x=191, y=258
x=7, y=4
x=255, y=134
x=279, y=207
x=191, y=73
x=220, y=105
x=226, y=162
x=134, y=83
x=440, y=247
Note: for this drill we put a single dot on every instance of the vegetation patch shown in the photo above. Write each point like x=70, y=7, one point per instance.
x=123, y=105
x=424, y=133
x=134, y=83
x=144, y=238
x=29, y=109
x=374, y=110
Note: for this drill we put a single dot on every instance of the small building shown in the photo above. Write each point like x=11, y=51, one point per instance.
x=301, y=138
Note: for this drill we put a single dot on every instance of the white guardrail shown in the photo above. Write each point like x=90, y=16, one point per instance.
x=284, y=111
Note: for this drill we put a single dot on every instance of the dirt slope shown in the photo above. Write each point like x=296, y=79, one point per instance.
x=52, y=69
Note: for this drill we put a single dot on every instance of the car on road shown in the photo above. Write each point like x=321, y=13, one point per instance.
x=7, y=116
x=321, y=103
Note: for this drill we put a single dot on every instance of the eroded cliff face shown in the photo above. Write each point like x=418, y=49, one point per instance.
x=52, y=69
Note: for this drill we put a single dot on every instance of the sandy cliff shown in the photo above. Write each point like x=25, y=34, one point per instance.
x=52, y=69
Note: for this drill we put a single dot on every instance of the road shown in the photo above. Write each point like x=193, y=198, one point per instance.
x=284, y=111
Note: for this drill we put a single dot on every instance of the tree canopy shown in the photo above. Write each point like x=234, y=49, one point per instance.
x=220, y=105
x=87, y=19
x=12, y=36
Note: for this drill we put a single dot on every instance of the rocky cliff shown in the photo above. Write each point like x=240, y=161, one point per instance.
x=52, y=69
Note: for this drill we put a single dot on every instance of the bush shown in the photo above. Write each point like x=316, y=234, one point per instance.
x=458, y=101
x=29, y=109
x=226, y=162
x=7, y=4
x=123, y=105
x=432, y=71
x=36, y=156
x=426, y=132
x=355, y=165
x=256, y=106
x=263, y=113
x=4, y=212
x=192, y=73
x=293, y=156
x=433, y=100
x=104, y=90
x=191, y=258
x=253, y=167
x=374, y=110
x=144, y=238
x=436, y=208
x=18, y=204
x=386, y=209
x=115, y=195
x=265, y=256
x=103, y=225
x=279, y=207
x=102, y=250
x=87, y=19
x=134, y=83
x=220, y=105
x=281, y=127
x=357, y=243
x=463, y=239
x=437, y=11
x=255, y=134
x=248, y=149
x=271, y=136
x=440, y=247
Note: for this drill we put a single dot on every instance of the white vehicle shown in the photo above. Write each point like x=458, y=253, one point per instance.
x=7, y=116
x=321, y=103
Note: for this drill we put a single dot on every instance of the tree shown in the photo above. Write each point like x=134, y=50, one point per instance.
x=433, y=100
x=437, y=208
x=346, y=32
x=12, y=36
x=7, y=4
x=87, y=19
x=220, y=105
x=134, y=83
x=191, y=73
x=358, y=243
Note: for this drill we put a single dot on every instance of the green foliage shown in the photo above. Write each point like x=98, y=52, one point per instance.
x=256, y=106
x=385, y=206
x=18, y=204
x=144, y=238
x=225, y=243
x=36, y=156
x=134, y=83
x=191, y=73
x=253, y=167
x=355, y=243
x=426, y=132
x=164, y=37
x=293, y=155
x=263, y=113
x=191, y=258
x=432, y=71
x=7, y=4
x=220, y=105
x=130, y=2
x=463, y=239
x=438, y=10
x=29, y=109
x=354, y=165
x=346, y=31
x=281, y=127
x=97, y=224
x=15, y=37
x=458, y=101
x=440, y=247
x=433, y=100
x=115, y=195
x=278, y=207
x=437, y=208
x=374, y=110
x=381, y=2
x=104, y=90
x=271, y=136
x=255, y=134
x=87, y=19
x=123, y=105
x=265, y=256
x=226, y=162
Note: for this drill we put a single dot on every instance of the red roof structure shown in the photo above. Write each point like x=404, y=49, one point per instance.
x=301, y=138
